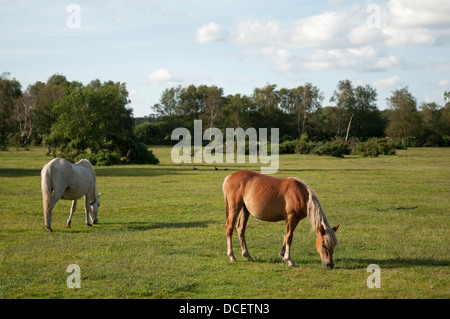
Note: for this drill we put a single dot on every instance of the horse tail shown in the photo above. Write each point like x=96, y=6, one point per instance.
x=46, y=185
x=225, y=196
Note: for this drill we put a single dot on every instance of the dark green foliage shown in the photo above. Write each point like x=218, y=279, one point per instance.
x=94, y=123
x=374, y=147
x=288, y=147
x=337, y=148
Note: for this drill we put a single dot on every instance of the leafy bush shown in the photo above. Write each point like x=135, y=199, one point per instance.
x=305, y=146
x=366, y=149
x=374, y=147
x=288, y=147
x=129, y=151
x=301, y=146
x=337, y=148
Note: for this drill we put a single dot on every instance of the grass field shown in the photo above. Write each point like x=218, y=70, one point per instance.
x=161, y=231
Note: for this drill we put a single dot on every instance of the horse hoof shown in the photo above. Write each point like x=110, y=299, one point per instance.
x=67, y=226
x=49, y=229
x=289, y=262
x=89, y=225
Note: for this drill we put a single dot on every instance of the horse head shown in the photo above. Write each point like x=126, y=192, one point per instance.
x=325, y=244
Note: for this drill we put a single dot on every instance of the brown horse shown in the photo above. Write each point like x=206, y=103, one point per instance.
x=273, y=199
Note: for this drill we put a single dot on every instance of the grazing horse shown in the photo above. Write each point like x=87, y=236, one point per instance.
x=273, y=199
x=69, y=181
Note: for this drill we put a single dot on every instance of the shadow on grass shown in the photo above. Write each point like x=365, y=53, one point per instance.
x=19, y=172
x=142, y=226
x=101, y=171
x=151, y=171
x=357, y=263
x=353, y=263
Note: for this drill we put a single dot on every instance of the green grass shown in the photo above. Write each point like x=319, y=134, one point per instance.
x=161, y=231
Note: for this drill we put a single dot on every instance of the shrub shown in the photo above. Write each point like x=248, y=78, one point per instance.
x=305, y=146
x=288, y=147
x=374, y=147
x=365, y=149
x=337, y=148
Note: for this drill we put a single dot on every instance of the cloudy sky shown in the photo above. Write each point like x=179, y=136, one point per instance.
x=237, y=45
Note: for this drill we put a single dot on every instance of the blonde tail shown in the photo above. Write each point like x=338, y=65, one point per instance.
x=46, y=185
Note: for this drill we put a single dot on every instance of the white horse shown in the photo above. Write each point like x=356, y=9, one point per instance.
x=69, y=181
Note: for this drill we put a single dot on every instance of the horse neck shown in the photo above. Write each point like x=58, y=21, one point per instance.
x=317, y=217
x=315, y=212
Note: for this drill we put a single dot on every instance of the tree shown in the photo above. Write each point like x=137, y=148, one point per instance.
x=236, y=110
x=23, y=116
x=213, y=103
x=404, y=120
x=300, y=102
x=367, y=120
x=10, y=91
x=344, y=98
x=267, y=112
x=93, y=122
x=358, y=106
x=46, y=95
x=445, y=115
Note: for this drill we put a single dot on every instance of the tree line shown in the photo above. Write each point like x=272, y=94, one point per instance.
x=299, y=112
x=74, y=120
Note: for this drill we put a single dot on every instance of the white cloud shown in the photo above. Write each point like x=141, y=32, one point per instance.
x=160, y=76
x=415, y=22
x=443, y=84
x=245, y=80
x=328, y=29
x=418, y=13
x=210, y=32
x=322, y=30
x=387, y=83
x=363, y=35
x=366, y=58
x=281, y=58
x=259, y=33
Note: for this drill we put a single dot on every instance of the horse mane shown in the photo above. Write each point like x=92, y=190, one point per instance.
x=317, y=217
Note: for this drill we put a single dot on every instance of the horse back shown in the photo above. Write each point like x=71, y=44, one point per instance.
x=266, y=197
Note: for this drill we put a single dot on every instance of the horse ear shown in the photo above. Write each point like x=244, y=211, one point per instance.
x=335, y=228
x=322, y=230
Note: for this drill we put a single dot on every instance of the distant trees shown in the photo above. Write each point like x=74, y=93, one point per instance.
x=93, y=122
x=404, y=119
x=10, y=91
x=357, y=111
x=354, y=114
x=76, y=120
x=73, y=120
x=300, y=103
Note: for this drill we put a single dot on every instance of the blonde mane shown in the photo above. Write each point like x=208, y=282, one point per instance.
x=317, y=217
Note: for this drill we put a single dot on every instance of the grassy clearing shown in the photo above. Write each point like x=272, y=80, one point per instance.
x=161, y=231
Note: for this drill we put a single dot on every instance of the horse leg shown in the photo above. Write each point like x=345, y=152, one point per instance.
x=48, y=212
x=283, y=248
x=240, y=227
x=87, y=208
x=291, y=223
x=72, y=209
x=232, y=213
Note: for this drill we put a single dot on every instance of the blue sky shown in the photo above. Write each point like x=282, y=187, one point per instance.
x=236, y=45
